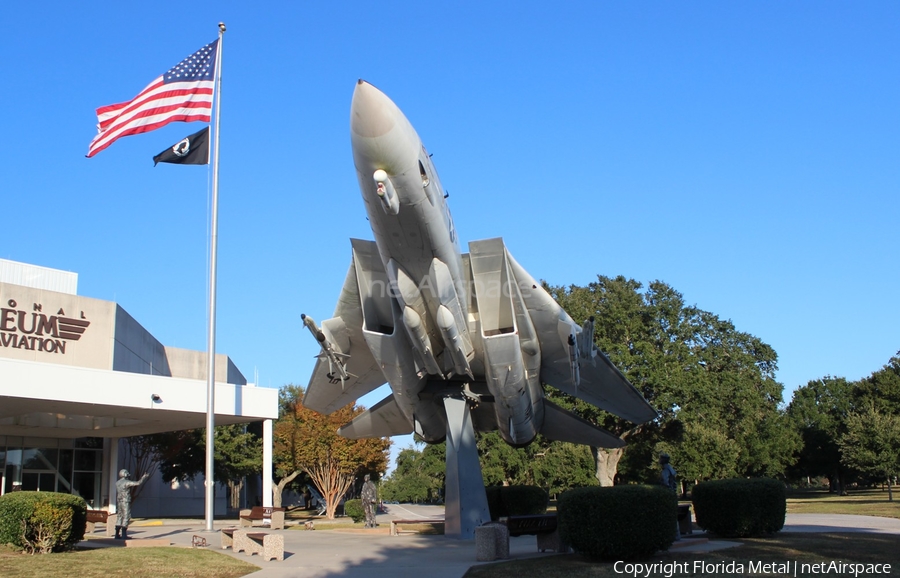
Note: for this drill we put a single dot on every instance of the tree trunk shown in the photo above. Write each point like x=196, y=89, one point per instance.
x=890, y=491
x=332, y=481
x=278, y=488
x=333, y=495
x=234, y=500
x=607, y=462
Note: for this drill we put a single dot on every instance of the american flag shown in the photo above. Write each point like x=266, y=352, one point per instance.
x=184, y=93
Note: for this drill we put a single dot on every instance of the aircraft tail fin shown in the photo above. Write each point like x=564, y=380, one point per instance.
x=564, y=426
x=382, y=419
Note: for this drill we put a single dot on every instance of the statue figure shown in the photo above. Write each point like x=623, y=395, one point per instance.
x=669, y=480
x=369, y=498
x=668, y=473
x=123, y=502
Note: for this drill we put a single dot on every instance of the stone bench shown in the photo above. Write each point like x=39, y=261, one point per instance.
x=231, y=538
x=95, y=517
x=263, y=516
x=269, y=546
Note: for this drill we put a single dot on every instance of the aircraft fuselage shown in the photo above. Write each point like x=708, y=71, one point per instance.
x=416, y=239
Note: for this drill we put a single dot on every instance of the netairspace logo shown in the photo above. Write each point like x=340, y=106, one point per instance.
x=759, y=568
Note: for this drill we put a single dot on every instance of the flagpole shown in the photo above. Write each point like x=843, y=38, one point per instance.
x=211, y=343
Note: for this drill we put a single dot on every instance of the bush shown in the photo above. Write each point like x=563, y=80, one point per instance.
x=42, y=521
x=506, y=501
x=740, y=508
x=619, y=522
x=354, y=509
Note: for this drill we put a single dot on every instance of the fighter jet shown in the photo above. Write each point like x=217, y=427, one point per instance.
x=438, y=324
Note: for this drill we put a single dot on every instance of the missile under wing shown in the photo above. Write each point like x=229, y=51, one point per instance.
x=438, y=324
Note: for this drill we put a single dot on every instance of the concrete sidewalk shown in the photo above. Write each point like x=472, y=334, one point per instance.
x=353, y=553
x=348, y=553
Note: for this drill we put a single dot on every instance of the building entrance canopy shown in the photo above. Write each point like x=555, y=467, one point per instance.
x=50, y=400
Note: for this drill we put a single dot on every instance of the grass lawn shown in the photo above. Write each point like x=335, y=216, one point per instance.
x=858, y=502
x=298, y=517
x=790, y=547
x=346, y=523
x=124, y=563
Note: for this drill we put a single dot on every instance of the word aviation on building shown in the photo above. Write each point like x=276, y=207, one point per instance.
x=447, y=329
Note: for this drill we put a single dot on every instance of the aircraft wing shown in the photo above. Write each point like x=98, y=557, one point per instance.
x=596, y=380
x=325, y=392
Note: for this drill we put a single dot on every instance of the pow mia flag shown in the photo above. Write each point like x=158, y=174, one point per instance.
x=191, y=150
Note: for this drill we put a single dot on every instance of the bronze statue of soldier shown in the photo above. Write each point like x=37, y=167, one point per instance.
x=123, y=502
x=369, y=499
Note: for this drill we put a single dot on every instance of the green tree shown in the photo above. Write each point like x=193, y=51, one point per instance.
x=560, y=466
x=871, y=444
x=418, y=476
x=881, y=390
x=554, y=466
x=703, y=452
x=819, y=411
x=181, y=455
x=706, y=379
x=238, y=454
x=286, y=471
x=502, y=464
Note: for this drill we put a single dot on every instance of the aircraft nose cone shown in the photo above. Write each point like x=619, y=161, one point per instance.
x=381, y=135
x=372, y=113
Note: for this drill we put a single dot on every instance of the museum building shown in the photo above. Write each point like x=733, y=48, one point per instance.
x=78, y=375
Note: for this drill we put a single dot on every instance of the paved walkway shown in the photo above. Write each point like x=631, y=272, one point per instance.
x=372, y=554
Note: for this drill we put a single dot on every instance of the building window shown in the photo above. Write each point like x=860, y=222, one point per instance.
x=50, y=465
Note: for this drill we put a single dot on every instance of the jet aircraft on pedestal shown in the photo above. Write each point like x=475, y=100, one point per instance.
x=465, y=340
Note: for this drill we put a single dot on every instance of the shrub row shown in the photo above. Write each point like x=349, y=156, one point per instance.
x=740, y=508
x=619, y=522
x=42, y=521
x=506, y=501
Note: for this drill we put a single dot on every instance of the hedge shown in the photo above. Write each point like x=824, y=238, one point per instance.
x=506, y=501
x=354, y=509
x=52, y=522
x=618, y=522
x=740, y=508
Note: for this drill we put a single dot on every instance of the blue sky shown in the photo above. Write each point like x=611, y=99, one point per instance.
x=745, y=153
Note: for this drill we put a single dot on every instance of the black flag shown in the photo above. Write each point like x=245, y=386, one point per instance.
x=191, y=150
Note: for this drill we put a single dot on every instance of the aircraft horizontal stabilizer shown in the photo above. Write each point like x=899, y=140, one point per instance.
x=603, y=385
x=564, y=426
x=382, y=420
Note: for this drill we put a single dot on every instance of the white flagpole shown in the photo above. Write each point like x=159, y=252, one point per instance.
x=211, y=343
